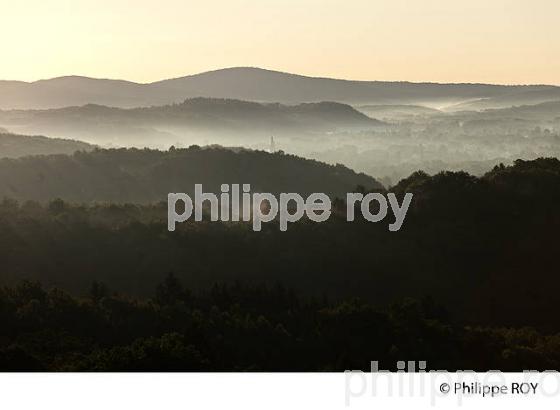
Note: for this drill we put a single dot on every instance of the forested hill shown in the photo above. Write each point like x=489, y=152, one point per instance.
x=142, y=176
x=100, y=123
x=15, y=146
x=472, y=244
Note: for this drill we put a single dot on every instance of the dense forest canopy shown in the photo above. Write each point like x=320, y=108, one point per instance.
x=471, y=243
x=93, y=280
x=144, y=176
x=247, y=328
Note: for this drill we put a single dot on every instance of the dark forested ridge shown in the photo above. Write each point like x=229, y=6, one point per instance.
x=143, y=176
x=15, y=146
x=478, y=255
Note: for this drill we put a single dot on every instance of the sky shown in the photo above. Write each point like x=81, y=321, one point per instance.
x=489, y=41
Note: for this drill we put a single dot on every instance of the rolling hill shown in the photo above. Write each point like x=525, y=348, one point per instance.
x=546, y=111
x=543, y=115
x=194, y=116
x=146, y=176
x=253, y=84
x=397, y=112
x=15, y=146
x=524, y=97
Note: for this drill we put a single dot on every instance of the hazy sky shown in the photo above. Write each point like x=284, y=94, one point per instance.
x=497, y=41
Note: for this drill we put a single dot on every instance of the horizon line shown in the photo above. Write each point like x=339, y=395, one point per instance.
x=318, y=77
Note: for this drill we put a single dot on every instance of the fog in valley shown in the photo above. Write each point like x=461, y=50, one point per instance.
x=386, y=130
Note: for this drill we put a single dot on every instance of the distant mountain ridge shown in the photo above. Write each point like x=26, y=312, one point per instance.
x=197, y=115
x=254, y=84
